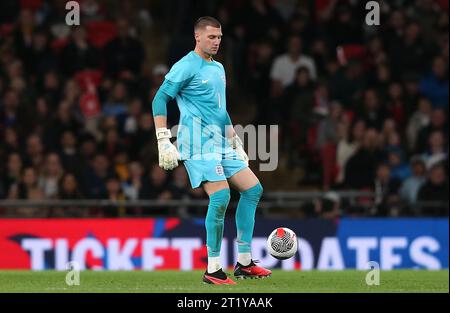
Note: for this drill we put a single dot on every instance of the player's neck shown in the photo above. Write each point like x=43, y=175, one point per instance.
x=206, y=57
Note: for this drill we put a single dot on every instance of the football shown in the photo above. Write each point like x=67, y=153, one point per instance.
x=282, y=243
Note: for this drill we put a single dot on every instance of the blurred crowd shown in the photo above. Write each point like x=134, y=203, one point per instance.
x=360, y=107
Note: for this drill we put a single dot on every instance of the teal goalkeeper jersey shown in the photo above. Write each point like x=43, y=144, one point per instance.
x=199, y=89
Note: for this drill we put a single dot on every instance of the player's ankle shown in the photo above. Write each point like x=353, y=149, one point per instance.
x=213, y=264
x=244, y=258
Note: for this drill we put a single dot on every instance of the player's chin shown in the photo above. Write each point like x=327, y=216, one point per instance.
x=214, y=51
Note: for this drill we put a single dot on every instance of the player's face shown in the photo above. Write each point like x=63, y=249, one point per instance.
x=208, y=39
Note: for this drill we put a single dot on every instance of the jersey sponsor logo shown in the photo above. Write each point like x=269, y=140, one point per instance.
x=219, y=170
x=204, y=81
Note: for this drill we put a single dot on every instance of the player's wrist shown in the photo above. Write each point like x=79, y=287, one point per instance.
x=163, y=134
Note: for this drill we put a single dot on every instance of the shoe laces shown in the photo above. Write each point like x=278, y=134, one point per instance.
x=253, y=262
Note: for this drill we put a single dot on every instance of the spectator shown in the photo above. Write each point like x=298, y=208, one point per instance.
x=133, y=186
x=373, y=112
x=112, y=145
x=388, y=132
x=385, y=188
x=179, y=189
x=117, y=104
x=349, y=142
x=419, y=120
x=438, y=122
x=23, y=34
x=343, y=29
x=382, y=80
x=91, y=10
x=124, y=54
x=51, y=89
x=41, y=57
x=68, y=152
x=28, y=189
x=438, y=148
x=87, y=150
x=64, y=120
x=435, y=86
x=114, y=193
x=320, y=55
x=299, y=98
x=10, y=113
x=361, y=167
x=13, y=173
x=260, y=12
x=285, y=66
x=376, y=58
x=321, y=100
x=156, y=185
x=71, y=92
x=11, y=142
x=121, y=162
x=34, y=152
x=95, y=177
x=347, y=84
x=410, y=186
x=327, y=132
x=158, y=73
x=49, y=179
x=131, y=121
x=417, y=50
x=433, y=195
x=327, y=139
x=259, y=77
x=396, y=104
x=68, y=189
x=398, y=168
x=412, y=91
x=142, y=144
x=393, y=34
x=41, y=118
x=79, y=54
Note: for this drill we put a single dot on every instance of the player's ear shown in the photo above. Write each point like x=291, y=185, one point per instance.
x=197, y=36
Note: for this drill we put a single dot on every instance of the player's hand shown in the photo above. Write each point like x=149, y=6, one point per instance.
x=168, y=153
x=236, y=143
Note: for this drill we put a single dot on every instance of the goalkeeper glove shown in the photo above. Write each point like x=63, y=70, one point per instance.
x=168, y=153
x=236, y=143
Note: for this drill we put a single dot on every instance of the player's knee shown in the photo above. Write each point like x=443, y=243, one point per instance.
x=253, y=193
x=219, y=201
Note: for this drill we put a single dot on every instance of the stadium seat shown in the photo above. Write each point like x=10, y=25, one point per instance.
x=100, y=32
x=31, y=4
x=88, y=76
x=350, y=52
x=6, y=29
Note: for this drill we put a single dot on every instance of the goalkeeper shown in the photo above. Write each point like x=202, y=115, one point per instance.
x=209, y=147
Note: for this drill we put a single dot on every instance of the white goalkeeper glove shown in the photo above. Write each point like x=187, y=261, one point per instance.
x=236, y=143
x=168, y=153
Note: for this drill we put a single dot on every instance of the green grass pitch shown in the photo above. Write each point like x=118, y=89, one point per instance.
x=185, y=282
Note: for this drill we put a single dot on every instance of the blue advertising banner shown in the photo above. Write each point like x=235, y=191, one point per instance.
x=394, y=243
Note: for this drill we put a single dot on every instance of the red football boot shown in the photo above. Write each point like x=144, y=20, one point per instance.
x=217, y=278
x=251, y=271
